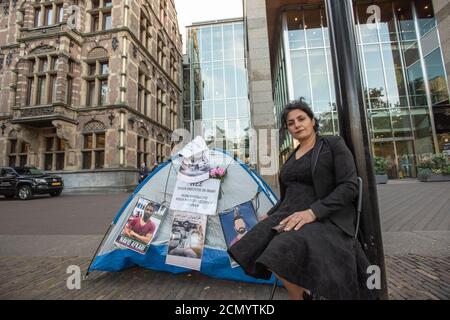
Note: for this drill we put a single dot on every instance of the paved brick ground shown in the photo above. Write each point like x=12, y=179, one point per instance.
x=34, y=256
x=409, y=277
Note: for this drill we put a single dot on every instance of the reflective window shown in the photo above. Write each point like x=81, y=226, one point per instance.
x=228, y=42
x=219, y=91
x=300, y=75
x=217, y=43
x=402, y=72
x=425, y=16
x=436, y=77
x=239, y=40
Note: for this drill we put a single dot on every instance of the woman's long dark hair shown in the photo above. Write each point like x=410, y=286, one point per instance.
x=299, y=104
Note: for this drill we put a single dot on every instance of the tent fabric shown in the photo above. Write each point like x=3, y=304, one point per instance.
x=240, y=185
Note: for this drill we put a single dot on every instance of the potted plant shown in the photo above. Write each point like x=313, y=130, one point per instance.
x=434, y=167
x=381, y=166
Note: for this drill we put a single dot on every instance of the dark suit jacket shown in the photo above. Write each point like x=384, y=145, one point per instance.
x=335, y=183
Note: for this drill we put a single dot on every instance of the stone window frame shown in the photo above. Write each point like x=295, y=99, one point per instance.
x=160, y=104
x=70, y=81
x=100, y=12
x=40, y=10
x=95, y=129
x=145, y=29
x=159, y=152
x=173, y=67
x=55, y=152
x=142, y=147
x=173, y=113
x=143, y=104
x=20, y=156
x=160, y=55
x=97, y=78
x=163, y=12
x=37, y=75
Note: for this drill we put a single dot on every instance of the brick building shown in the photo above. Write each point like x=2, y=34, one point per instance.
x=88, y=89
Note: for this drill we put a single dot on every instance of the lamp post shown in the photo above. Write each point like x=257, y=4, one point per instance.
x=353, y=125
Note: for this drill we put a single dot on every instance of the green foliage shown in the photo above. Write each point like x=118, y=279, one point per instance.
x=381, y=165
x=424, y=174
x=437, y=163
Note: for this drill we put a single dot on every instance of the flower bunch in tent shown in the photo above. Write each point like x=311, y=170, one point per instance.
x=218, y=173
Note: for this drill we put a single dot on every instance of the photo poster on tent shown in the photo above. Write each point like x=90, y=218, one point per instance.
x=199, y=197
x=236, y=222
x=187, y=240
x=142, y=226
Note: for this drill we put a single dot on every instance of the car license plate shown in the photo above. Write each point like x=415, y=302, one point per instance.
x=56, y=183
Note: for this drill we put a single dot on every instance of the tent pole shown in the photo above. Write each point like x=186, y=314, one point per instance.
x=96, y=251
x=273, y=289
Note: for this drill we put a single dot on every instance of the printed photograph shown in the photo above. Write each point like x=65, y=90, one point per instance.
x=187, y=239
x=236, y=222
x=142, y=226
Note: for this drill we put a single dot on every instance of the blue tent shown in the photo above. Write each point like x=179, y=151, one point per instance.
x=240, y=185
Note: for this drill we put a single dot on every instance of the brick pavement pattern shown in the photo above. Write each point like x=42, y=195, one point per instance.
x=34, y=256
x=409, y=277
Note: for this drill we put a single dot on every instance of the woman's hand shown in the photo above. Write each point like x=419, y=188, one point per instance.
x=264, y=216
x=298, y=219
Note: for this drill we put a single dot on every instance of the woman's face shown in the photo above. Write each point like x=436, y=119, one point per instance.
x=300, y=126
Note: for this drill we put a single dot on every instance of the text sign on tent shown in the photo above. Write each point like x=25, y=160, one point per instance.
x=196, y=197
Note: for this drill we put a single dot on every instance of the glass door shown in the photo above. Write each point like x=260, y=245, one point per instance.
x=406, y=159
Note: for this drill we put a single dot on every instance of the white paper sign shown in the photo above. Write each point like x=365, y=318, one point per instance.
x=194, y=165
x=198, y=197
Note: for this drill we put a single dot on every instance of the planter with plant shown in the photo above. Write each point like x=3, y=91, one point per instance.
x=381, y=166
x=434, y=167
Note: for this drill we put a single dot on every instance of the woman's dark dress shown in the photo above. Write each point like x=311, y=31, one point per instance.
x=319, y=257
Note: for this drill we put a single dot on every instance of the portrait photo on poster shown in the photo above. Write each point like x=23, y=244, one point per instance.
x=142, y=226
x=187, y=240
x=236, y=222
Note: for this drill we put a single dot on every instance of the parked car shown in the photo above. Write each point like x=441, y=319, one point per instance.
x=24, y=182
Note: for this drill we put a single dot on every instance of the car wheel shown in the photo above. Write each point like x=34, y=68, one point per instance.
x=24, y=192
x=55, y=193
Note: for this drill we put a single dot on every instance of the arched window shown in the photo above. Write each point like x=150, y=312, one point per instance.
x=96, y=76
x=146, y=29
x=94, y=145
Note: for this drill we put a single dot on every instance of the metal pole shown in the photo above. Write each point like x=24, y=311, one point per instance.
x=96, y=251
x=353, y=125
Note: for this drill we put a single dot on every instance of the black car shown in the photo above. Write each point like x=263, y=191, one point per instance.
x=25, y=181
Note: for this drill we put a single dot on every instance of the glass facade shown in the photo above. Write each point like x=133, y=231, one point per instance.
x=403, y=77
x=216, y=102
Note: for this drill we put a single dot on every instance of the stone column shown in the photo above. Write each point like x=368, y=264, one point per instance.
x=260, y=89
